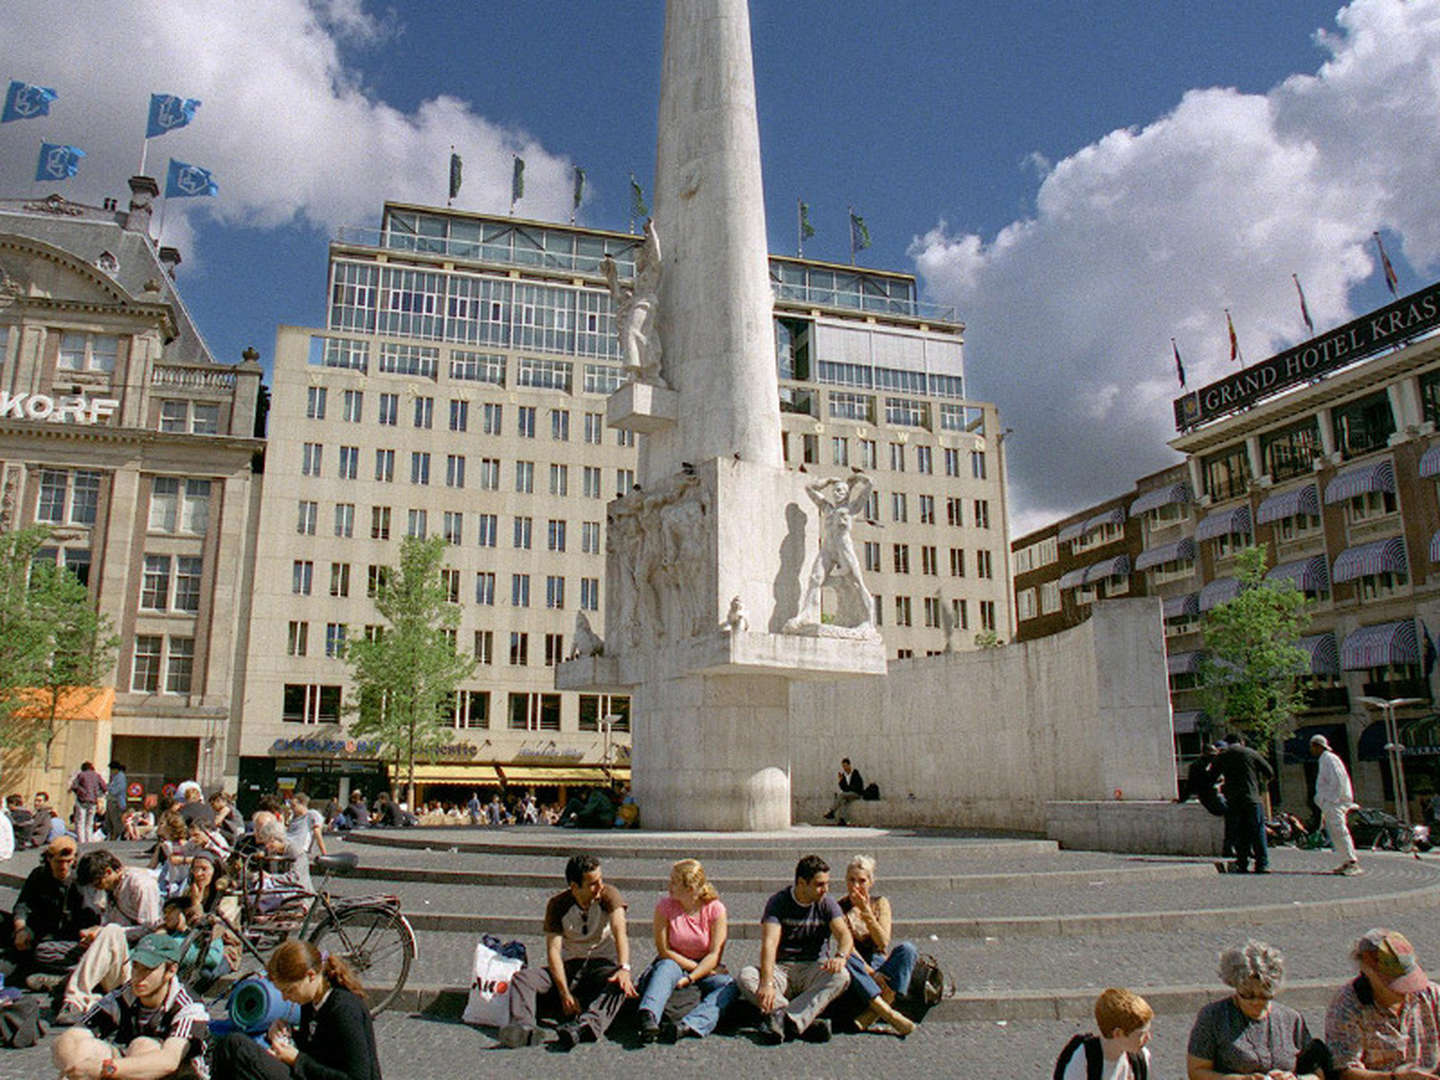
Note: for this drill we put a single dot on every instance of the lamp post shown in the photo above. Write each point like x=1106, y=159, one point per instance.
x=1393, y=747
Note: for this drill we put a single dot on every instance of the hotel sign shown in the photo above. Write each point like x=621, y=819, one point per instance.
x=1390, y=326
x=77, y=408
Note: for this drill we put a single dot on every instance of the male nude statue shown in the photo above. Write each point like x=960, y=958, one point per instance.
x=839, y=502
x=635, y=310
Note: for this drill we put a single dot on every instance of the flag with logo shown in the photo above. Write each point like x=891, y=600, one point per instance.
x=1304, y=308
x=638, y=209
x=168, y=112
x=579, y=191
x=456, y=168
x=1234, y=341
x=24, y=101
x=1391, y=281
x=185, y=181
x=806, y=229
x=517, y=180
x=1179, y=367
x=57, y=162
x=859, y=234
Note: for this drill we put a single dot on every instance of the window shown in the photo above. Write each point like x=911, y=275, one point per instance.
x=450, y=585
x=485, y=589
x=477, y=367
x=932, y=611
x=869, y=454
x=314, y=404
x=555, y=535
x=335, y=640
x=554, y=649
x=543, y=374
x=952, y=462
x=189, y=572
x=924, y=459
x=590, y=594
x=594, y=428
x=1292, y=450
x=472, y=708
x=145, y=668
x=459, y=415
x=928, y=562
x=839, y=451
x=1296, y=525
x=485, y=647
x=560, y=425
x=554, y=591
x=624, y=481
x=417, y=524
x=957, y=562
x=1363, y=425
x=899, y=507
x=204, y=419
x=1049, y=598
x=310, y=703
x=297, y=639
x=88, y=352
x=897, y=457
x=174, y=416
x=954, y=512
x=302, y=573
x=453, y=527
x=425, y=413
x=493, y=415
x=389, y=409
x=519, y=590
x=1371, y=505
x=1227, y=473
x=872, y=556
x=339, y=579
x=526, y=421
x=84, y=497
x=982, y=513
x=810, y=449
x=534, y=712
x=311, y=456
x=522, y=533
x=927, y=509
x=907, y=412
x=155, y=583
x=624, y=438
x=51, y=504
x=847, y=406
x=385, y=466
x=872, y=507
x=879, y=614
x=376, y=578
x=601, y=378
x=179, y=665
x=902, y=611
x=525, y=477
x=519, y=650
x=598, y=709
x=349, y=462
x=590, y=537
x=380, y=523
x=485, y=528
x=590, y=482
x=960, y=611
x=983, y=566
x=901, y=558
x=419, y=468
x=490, y=474
x=352, y=409
x=987, y=615
x=559, y=480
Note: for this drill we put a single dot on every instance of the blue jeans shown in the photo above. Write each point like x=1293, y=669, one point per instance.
x=896, y=969
x=1247, y=826
x=717, y=991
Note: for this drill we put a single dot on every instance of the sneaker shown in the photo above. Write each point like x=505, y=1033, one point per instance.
x=1350, y=869
x=69, y=1015
x=45, y=982
x=671, y=1032
x=568, y=1036
x=516, y=1035
x=772, y=1028
x=649, y=1029
x=817, y=1032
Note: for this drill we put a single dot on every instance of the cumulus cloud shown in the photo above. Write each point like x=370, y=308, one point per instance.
x=288, y=129
x=1150, y=233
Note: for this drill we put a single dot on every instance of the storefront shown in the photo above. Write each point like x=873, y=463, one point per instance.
x=324, y=769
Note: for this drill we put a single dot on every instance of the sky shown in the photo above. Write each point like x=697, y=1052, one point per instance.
x=1082, y=183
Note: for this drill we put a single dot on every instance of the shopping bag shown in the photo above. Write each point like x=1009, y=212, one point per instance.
x=489, y=1001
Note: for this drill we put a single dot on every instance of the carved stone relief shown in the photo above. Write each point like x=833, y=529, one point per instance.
x=661, y=542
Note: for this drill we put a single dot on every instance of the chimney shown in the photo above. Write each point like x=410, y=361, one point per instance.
x=143, y=192
x=170, y=259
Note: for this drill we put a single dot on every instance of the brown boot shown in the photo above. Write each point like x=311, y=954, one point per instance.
x=866, y=1018
x=901, y=1023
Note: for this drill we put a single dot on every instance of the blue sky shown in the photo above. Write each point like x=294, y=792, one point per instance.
x=1082, y=181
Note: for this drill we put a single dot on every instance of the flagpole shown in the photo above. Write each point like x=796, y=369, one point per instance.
x=160, y=231
x=144, y=150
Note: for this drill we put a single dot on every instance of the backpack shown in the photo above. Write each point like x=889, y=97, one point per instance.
x=1094, y=1059
x=871, y=793
x=20, y=1023
x=927, y=981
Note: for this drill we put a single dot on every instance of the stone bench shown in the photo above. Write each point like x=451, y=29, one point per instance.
x=1137, y=826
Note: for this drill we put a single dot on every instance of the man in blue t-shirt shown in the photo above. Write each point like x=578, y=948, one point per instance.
x=793, y=985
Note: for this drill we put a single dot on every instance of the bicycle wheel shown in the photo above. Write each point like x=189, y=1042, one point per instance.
x=377, y=943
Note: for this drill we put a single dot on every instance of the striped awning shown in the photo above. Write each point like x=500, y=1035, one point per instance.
x=1114, y=516
x=1116, y=567
x=1165, y=496
x=1234, y=520
x=1071, y=578
x=1377, y=646
x=1359, y=479
x=1186, y=721
x=1308, y=575
x=1375, y=557
x=1183, y=663
x=1435, y=548
x=1284, y=504
x=1073, y=531
x=1176, y=606
x=1323, y=652
x=1430, y=461
x=1179, y=551
x=1218, y=592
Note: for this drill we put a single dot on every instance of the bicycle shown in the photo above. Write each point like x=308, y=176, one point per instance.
x=370, y=933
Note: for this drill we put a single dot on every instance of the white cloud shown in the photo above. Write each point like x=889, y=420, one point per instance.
x=287, y=128
x=1149, y=234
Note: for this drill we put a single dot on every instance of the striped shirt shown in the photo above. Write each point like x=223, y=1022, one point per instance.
x=120, y=1018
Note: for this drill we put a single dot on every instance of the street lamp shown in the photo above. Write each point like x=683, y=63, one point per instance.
x=1393, y=747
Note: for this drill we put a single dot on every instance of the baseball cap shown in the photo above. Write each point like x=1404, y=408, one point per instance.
x=1395, y=961
x=156, y=949
x=1320, y=740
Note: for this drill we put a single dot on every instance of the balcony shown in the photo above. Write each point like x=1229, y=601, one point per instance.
x=193, y=377
x=1327, y=699
x=1399, y=688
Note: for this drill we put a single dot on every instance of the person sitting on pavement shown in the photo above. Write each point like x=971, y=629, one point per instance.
x=1336, y=798
x=595, y=810
x=170, y=857
x=150, y=1027
x=132, y=910
x=335, y=1039
x=20, y=819
x=690, y=933
x=229, y=822
x=1249, y=1033
x=49, y=917
x=587, y=962
x=1118, y=1052
x=1386, y=1021
x=879, y=968
x=1246, y=775
x=792, y=986
x=850, y=786
x=45, y=823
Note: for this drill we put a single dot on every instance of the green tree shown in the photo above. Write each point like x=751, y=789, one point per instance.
x=1250, y=675
x=56, y=650
x=407, y=672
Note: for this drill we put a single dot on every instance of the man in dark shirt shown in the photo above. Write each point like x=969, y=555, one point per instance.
x=797, y=923
x=87, y=787
x=850, y=785
x=1246, y=775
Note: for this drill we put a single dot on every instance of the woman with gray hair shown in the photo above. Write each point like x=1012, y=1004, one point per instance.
x=1249, y=1035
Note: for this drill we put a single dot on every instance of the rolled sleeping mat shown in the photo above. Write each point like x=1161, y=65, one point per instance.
x=256, y=1003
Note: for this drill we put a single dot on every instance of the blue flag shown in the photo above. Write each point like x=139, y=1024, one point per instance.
x=187, y=181
x=25, y=102
x=168, y=112
x=57, y=162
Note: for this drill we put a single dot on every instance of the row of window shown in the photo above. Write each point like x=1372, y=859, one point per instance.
x=72, y=497
x=867, y=455
x=929, y=561
x=487, y=476
x=936, y=613
x=302, y=583
x=486, y=527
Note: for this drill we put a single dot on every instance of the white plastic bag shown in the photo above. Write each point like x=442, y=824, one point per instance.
x=489, y=1001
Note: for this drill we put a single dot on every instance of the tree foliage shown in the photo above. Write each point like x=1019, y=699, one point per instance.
x=1250, y=675
x=408, y=671
x=56, y=650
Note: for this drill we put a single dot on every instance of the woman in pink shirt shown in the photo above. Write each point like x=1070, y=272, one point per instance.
x=690, y=930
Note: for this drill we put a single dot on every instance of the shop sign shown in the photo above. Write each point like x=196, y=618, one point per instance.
x=74, y=408
x=451, y=752
x=1390, y=326
x=549, y=753
x=327, y=747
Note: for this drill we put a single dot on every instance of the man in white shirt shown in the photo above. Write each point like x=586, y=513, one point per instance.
x=1336, y=798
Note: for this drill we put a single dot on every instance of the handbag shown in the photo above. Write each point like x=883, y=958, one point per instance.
x=927, y=981
x=20, y=1024
x=489, y=1000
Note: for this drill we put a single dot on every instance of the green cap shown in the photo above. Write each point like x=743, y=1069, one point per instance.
x=153, y=950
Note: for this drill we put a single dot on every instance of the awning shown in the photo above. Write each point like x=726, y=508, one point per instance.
x=1218, y=592
x=1179, y=551
x=1224, y=522
x=1183, y=663
x=1187, y=721
x=1430, y=461
x=454, y=774
x=1359, y=479
x=1073, y=578
x=1116, y=567
x=1284, y=504
x=574, y=774
x=1323, y=652
x=1375, y=557
x=1377, y=646
x=1073, y=531
x=1114, y=516
x=1165, y=496
x=1308, y=575
x=1176, y=606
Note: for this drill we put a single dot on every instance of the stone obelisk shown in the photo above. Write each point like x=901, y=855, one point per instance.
x=704, y=558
